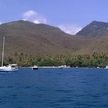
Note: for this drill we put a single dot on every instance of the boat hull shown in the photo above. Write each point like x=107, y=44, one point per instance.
x=35, y=68
x=7, y=69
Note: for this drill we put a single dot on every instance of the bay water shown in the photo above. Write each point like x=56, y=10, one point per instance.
x=54, y=88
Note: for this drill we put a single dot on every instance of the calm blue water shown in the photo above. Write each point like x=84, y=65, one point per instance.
x=54, y=88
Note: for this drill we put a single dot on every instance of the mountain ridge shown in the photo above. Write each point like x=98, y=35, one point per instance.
x=34, y=39
x=45, y=40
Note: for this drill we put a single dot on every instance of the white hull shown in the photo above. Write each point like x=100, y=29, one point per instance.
x=7, y=68
x=106, y=67
x=63, y=66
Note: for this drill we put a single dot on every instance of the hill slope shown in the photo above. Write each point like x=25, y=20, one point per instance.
x=94, y=29
x=40, y=39
x=36, y=39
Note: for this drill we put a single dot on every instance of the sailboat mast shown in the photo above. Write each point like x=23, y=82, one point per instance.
x=3, y=50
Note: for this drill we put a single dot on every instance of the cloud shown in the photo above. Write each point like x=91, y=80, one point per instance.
x=34, y=17
x=37, y=18
x=70, y=29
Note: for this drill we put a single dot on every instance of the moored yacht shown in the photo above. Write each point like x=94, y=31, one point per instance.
x=10, y=67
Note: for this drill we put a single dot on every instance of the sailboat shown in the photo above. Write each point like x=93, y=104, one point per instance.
x=10, y=67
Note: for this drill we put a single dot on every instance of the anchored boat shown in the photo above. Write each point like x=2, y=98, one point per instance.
x=10, y=67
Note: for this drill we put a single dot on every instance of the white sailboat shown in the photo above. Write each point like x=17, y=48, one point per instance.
x=10, y=67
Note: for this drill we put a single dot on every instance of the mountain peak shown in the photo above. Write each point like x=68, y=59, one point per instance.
x=34, y=39
x=94, y=29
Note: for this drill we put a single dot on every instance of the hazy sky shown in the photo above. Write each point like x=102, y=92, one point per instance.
x=69, y=15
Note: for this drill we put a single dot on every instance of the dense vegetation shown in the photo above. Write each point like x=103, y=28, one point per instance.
x=94, y=60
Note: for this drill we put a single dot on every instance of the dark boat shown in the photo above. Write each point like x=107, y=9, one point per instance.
x=35, y=68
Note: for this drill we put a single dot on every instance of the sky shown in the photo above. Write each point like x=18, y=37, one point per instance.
x=69, y=15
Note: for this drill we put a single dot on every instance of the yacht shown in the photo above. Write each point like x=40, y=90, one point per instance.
x=10, y=67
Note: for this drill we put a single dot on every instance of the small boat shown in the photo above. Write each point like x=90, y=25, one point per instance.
x=10, y=67
x=35, y=67
x=98, y=67
x=62, y=66
x=106, y=67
